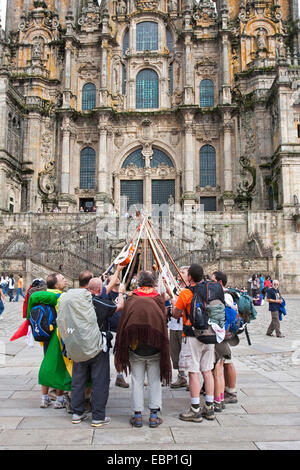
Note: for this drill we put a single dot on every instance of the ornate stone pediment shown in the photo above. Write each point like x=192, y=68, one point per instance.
x=90, y=17
x=205, y=14
x=146, y=5
x=88, y=70
x=205, y=66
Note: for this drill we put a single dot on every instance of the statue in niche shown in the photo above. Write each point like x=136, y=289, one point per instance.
x=261, y=41
x=280, y=48
x=121, y=8
x=38, y=48
x=172, y=5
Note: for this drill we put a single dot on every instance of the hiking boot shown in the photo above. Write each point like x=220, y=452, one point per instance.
x=223, y=405
x=59, y=404
x=230, y=398
x=76, y=419
x=218, y=407
x=180, y=382
x=208, y=412
x=45, y=402
x=98, y=423
x=191, y=415
x=120, y=382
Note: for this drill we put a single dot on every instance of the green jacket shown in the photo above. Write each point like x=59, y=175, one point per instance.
x=41, y=297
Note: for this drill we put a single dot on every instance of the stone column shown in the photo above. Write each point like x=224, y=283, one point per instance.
x=32, y=154
x=3, y=192
x=189, y=72
x=103, y=88
x=228, y=170
x=68, y=73
x=102, y=159
x=65, y=157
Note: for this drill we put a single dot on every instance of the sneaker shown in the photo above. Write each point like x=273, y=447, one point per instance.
x=120, y=382
x=208, y=411
x=52, y=394
x=180, y=382
x=76, y=419
x=191, y=415
x=218, y=407
x=45, y=402
x=223, y=405
x=98, y=423
x=58, y=405
x=230, y=398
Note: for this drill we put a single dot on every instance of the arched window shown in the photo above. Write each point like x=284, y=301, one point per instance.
x=171, y=78
x=87, y=168
x=207, y=166
x=88, y=96
x=136, y=158
x=147, y=36
x=147, y=89
x=159, y=158
x=125, y=42
x=207, y=93
x=169, y=41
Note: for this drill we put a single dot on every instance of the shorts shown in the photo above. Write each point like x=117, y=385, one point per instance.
x=196, y=356
x=222, y=351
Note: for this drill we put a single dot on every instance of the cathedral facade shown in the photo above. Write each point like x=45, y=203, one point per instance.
x=147, y=102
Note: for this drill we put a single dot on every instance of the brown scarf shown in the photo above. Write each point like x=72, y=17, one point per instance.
x=143, y=320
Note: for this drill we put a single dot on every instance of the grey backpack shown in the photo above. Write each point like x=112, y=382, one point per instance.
x=77, y=324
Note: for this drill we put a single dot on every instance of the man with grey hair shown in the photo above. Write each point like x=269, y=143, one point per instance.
x=275, y=300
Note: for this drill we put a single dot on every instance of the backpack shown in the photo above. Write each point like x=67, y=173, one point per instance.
x=203, y=294
x=42, y=319
x=245, y=306
x=78, y=327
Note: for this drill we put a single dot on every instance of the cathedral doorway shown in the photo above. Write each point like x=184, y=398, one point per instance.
x=86, y=205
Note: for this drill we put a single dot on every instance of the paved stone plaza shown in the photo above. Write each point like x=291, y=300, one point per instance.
x=267, y=415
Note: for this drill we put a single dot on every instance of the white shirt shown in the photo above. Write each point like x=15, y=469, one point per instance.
x=175, y=325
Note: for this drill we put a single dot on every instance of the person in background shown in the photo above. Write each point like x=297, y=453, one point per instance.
x=2, y=300
x=11, y=286
x=20, y=286
x=3, y=283
x=275, y=300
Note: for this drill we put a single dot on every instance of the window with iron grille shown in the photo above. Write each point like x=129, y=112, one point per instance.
x=159, y=158
x=169, y=41
x=133, y=191
x=88, y=96
x=87, y=168
x=207, y=166
x=136, y=158
x=147, y=36
x=207, y=93
x=171, y=78
x=210, y=204
x=147, y=89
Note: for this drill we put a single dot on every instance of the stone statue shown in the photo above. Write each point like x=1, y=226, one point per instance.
x=280, y=48
x=172, y=5
x=121, y=8
x=38, y=48
x=261, y=42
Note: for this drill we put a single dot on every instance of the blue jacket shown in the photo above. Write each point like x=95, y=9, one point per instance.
x=282, y=310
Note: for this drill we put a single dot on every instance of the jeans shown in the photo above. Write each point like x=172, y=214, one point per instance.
x=10, y=294
x=1, y=307
x=138, y=365
x=4, y=287
x=19, y=292
x=98, y=371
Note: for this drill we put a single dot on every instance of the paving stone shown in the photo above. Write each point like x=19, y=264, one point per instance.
x=10, y=422
x=278, y=419
x=287, y=445
x=54, y=436
x=236, y=433
x=267, y=392
x=144, y=435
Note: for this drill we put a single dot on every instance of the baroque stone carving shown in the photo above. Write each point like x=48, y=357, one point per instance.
x=146, y=5
x=90, y=17
x=46, y=179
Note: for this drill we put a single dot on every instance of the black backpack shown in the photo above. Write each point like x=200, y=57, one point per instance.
x=203, y=293
x=42, y=319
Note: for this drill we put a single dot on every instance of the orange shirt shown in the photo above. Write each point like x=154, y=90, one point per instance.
x=20, y=283
x=184, y=303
